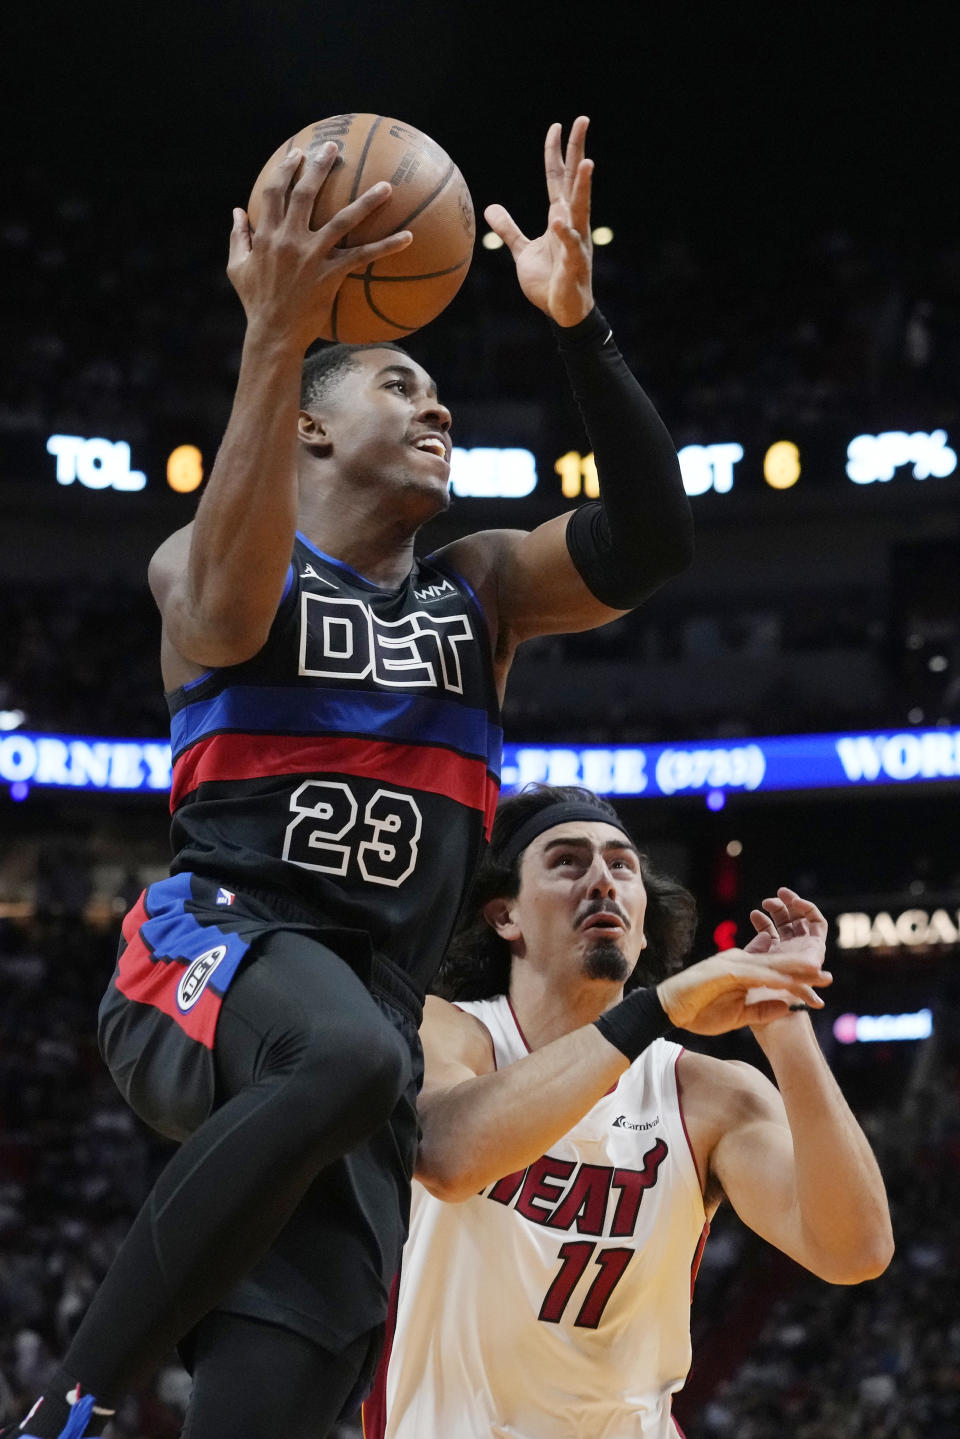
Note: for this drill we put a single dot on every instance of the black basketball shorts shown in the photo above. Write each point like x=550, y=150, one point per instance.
x=182, y=945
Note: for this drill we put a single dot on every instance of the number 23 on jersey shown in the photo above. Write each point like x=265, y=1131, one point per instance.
x=327, y=829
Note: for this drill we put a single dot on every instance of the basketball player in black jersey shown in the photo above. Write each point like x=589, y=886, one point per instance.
x=334, y=708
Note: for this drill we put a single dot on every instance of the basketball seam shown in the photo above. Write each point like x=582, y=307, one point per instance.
x=402, y=279
x=367, y=279
x=402, y=224
x=363, y=156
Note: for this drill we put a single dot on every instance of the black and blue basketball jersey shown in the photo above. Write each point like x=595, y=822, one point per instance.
x=353, y=764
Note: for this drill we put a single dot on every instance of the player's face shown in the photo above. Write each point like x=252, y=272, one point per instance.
x=387, y=428
x=582, y=902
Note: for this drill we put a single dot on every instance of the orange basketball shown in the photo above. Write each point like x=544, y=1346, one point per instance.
x=397, y=293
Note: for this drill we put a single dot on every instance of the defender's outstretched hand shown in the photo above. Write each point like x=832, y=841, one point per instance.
x=556, y=269
x=785, y=916
x=286, y=274
x=745, y=986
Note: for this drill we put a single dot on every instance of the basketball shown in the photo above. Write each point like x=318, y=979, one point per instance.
x=397, y=293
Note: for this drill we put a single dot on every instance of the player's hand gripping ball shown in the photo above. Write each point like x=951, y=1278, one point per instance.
x=397, y=293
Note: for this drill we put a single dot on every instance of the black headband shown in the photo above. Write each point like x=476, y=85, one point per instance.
x=552, y=815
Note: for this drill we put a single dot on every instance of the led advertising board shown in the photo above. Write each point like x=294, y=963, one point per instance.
x=855, y=760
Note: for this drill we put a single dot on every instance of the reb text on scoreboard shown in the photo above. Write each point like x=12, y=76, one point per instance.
x=510, y=473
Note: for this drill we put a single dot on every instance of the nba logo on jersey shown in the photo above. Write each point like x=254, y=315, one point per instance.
x=225, y=896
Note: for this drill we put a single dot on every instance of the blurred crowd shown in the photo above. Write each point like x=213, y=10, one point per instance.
x=84, y=660
x=75, y=1165
x=121, y=321
x=880, y=1361
x=120, y=317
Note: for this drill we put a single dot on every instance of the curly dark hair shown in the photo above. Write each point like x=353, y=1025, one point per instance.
x=477, y=963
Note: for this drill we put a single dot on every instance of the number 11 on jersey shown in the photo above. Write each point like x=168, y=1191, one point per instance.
x=575, y=1257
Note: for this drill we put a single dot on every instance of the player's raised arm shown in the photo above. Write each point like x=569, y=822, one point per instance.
x=581, y=570
x=795, y=1164
x=479, y=1123
x=219, y=582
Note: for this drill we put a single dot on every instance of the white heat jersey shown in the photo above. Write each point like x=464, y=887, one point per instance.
x=555, y=1304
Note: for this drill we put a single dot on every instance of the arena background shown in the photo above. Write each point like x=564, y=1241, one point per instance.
x=784, y=267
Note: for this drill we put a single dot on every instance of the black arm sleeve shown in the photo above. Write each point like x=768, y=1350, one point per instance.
x=640, y=532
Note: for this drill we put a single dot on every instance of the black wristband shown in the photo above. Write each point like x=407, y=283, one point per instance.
x=635, y=1022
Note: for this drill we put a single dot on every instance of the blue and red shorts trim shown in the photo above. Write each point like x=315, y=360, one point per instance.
x=182, y=944
x=176, y=958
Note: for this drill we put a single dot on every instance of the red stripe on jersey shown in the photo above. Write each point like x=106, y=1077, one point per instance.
x=683, y=1119
x=701, y=1245
x=154, y=982
x=526, y=1043
x=523, y=1037
x=135, y=917
x=225, y=757
x=374, y=1412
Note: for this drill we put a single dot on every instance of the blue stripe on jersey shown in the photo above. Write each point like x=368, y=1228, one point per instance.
x=341, y=565
x=172, y=932
x=192, y=684
x=403, y=718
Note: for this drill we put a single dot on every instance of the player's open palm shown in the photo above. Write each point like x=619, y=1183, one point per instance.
x=555, y=270
x=286, y=274
x=719, y=994
x=787, y=917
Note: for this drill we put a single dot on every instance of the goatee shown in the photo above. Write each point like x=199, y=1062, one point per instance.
x=607, y=960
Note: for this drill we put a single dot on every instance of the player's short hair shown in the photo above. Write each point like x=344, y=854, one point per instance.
x=477, y=963
x=322, y=370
